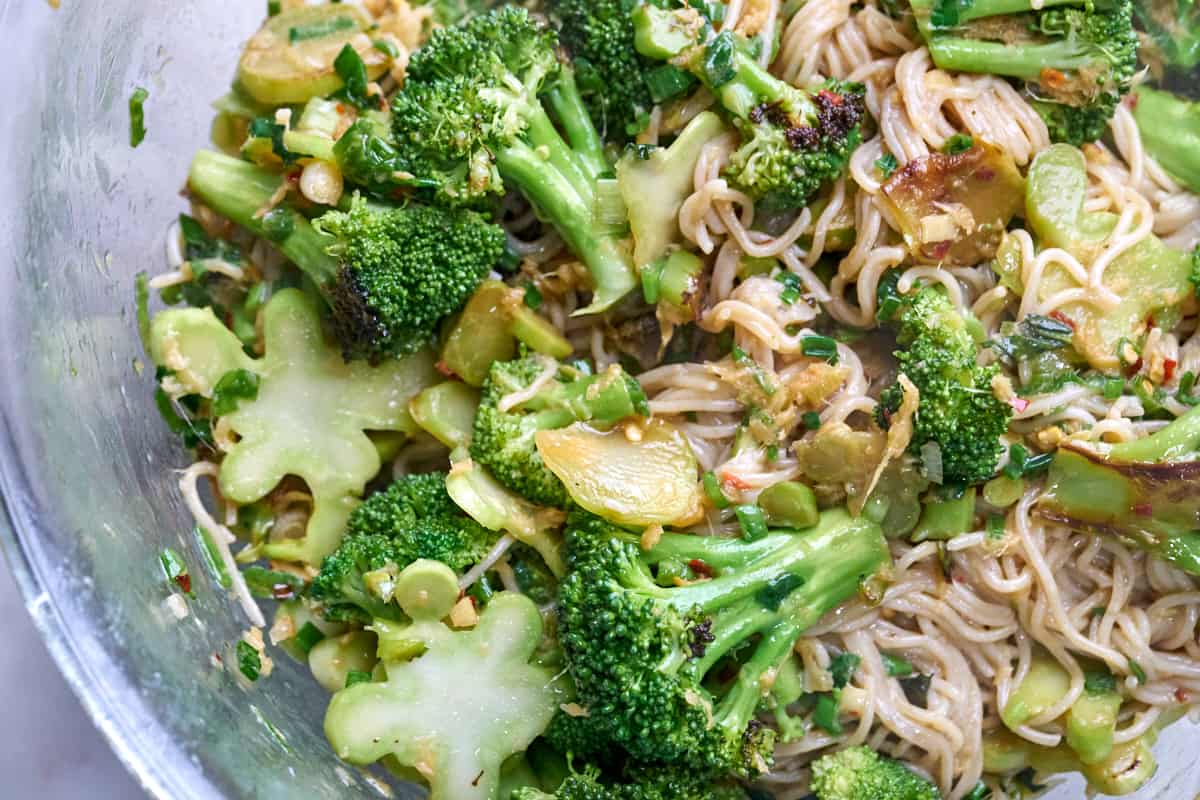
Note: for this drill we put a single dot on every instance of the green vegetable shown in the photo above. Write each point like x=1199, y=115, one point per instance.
x=859, y=773
x=958, y=143
x=175, y=568
x=477, y=113
x=369, y=159
x=291, y=58
x=957, y=410
x=655, y=182
x=308, y=418
x=752, y=522
x=1140, y=491
x=1170, y=129
x=1092, y=719
x=886, y=164
x=1076, y=60
x=1150, y=278
x=793, y=140
x=790, y=504
x=464, y=704
x=272, y=583
x=897, y=667
x=233, y=387
x=335, y=659
x=446, y=412
x=648, y=672
x=618, y=85
x=137, y=116
x=713, y=490
x=249, y=660
x=1043, y=686
x=943, y=519
x=413, y=519
x=504, y=441
x=1174, y=31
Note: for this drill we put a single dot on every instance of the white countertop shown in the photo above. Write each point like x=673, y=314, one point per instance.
x=49, y=748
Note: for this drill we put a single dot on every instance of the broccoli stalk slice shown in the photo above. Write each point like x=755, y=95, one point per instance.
x=1170, y=129
x=1141, y=491
x=1026, y=62
x=240, y=191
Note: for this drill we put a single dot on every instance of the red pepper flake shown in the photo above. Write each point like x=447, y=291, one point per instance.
x=443, y=368
x=1169, y=366
x=701, y=568
x=1134, y=368
x=939, y=250
x=1150, y=321
x=985, y=174
x=1182, y=697
x=831, y=97
x=1063, y=318
x=734, y=481
x=184, y=582
x=1131, y=100
x=1143, y=509
x=1053, y=78
x=1019, y=404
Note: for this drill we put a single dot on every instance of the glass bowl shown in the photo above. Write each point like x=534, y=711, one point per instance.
x=86, y=467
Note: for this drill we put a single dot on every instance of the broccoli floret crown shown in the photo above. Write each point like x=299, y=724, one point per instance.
x=958, y=409
x=642, y=650
x=859, y=773
x=645, y=784
x=412, y=519
x=504, y=440
x=785, y=157
x=402, y=271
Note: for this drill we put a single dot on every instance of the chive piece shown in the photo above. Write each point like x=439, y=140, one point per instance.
x=249, y=661
x=825, y=715
x=980, y=792
x=274, y=7
x=743, y=359
x=533, y=297
x=821, y=347
x=712, y=489
x=772, y=453
x=321, y=29
x=842, y=668
x=1137, y=671
x=753, y=522
x=887, y=165
x=353, y=72
x=996, y=526
x=233, y=387
x=811, y=420
x=774, y=593
x=791, y=287
x=916, y=689
x=141, y=304
x=175, y=568
x=137, y=116
x=387, y=48
x=272, y=583
x=354, y=677
x=668, y=81
x=652, y=281
x=896, y=666
x=308, y=637
x=958, y=143
x=718, y=60
x=1114, y=388
x=213, y=561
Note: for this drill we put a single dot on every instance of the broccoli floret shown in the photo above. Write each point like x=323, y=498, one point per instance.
x=454, y=704
x=648, y=784
x=1174, y=30
x=477, y=114
x=389, y=273
x=1170, y=130
x=503, y=439
x=414, y=518
x=793, y=140
x=1076, y=59
x=307, y=418
x=649, y=655
x=958, y=411
x=859, y=773
x=618, y=85
x=402, y=271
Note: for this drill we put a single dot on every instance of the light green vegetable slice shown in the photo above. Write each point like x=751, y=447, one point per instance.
x=631, y=476
x=291, y=57
x=309, y=418
x=332, y=659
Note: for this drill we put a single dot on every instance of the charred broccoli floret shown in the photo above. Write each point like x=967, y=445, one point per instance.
x=793, y=140
x=959, y=420
x=1076, y=59
x=503, y=439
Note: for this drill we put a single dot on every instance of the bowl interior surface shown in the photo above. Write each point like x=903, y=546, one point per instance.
x=87, y=470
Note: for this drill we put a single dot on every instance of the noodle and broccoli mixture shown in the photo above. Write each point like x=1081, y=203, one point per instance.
x=658, y=400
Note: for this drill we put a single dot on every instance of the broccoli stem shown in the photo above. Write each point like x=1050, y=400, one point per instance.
x=1025, y=62
x=752, y=86
x=571, y=113
x=240, y=191
x=557, y=186
x=993, y=8
x=740, y=702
